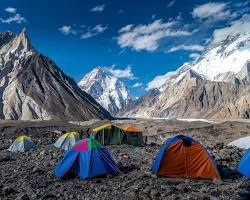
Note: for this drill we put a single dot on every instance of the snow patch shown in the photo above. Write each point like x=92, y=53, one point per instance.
x=196, y=120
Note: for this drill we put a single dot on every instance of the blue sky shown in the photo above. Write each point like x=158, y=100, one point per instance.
x=137, y=40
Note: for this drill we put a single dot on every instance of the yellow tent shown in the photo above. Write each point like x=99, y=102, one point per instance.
x=105, y=126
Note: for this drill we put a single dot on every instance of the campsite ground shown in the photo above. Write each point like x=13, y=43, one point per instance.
x=30, y=175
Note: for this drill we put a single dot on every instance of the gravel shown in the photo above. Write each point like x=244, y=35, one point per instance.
x=30, y=175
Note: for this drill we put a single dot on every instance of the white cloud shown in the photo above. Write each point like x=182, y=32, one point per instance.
x=238, y=26
x=87, y=35
x=157, y=82
x=171, y=3
x=10, y=10
x=147, y=37
x=126, y=28
x=99, y=28
x=94, y=31
x=98, y=8
x=187, y=48
x=88, y=32
x=194, y=56
x=214, y=10
x=121, y=73
x=17, y=18
x=136, y=85
x=66, y=30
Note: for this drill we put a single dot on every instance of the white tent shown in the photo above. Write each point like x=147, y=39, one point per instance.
x=243, y=142
x=22, y=144
x=67, y=140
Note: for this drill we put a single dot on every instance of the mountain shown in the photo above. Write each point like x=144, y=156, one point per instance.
x=105, y=88
x=224, y=59
x=33, y=87
x=145, y=101
x=214, y=86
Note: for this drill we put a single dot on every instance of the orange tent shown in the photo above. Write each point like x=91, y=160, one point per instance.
x=182, y=156
x=131, y=128
x=132, y=135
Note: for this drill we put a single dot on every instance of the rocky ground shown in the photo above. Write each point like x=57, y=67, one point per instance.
x=30, y=175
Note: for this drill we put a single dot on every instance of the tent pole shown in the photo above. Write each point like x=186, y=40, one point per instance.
x=120, y=136
x=103, y=136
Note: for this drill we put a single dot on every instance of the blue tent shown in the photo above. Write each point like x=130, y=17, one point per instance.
x=86, y=159
x=244, y=166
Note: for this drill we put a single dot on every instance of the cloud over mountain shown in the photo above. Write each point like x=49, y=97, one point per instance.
x=121, y=73
x=194, y=47
x=237, y=26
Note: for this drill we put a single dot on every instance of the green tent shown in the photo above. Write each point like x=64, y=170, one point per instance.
x=109, y=134
x=133, y=135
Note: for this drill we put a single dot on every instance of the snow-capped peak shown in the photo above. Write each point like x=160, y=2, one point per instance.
x=223, y=61
x=226, y=57
x=108, y=90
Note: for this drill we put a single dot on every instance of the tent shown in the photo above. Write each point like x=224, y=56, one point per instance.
x=22, y=143
x=67, y=140
x=131, y=128
x=182, y=156
x=244, y=166
x=109, y=134
x=133, y=135
x=243, y=143
x=86, y=159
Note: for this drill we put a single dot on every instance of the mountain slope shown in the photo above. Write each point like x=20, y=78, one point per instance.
x=204, y=99
x=193, y=97
x=109, y=91
x=33, y=87
x=139, y=106
x=215, y=86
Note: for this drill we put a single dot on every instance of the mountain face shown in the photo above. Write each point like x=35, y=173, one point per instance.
x=135, y=107
x=215, y=86
x=106, y=89
x=33, y=87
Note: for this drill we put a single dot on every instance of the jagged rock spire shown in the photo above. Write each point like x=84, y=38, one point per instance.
x=33, y=87
x=22, y=40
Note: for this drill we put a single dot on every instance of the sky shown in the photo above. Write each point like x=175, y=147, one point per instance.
x=138, y=41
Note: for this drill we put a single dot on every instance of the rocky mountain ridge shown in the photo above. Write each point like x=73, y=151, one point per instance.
x=215, y=86
x=33, y=87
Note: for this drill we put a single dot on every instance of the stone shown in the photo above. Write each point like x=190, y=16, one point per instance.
x=8, y=190
x=34, y=175
x=4, y=157
x=22, y=197
x=37, y=170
